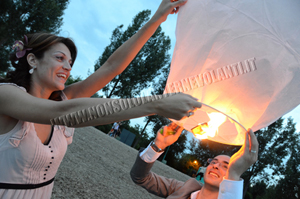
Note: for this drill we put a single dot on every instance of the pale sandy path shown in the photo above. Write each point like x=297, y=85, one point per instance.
x=97, y=166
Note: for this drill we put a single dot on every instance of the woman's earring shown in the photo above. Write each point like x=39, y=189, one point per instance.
x=31, y=70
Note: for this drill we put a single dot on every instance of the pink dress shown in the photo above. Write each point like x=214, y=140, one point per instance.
x=25, y=161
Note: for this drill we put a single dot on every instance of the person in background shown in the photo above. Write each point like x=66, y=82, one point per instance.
x=222, y=175
x=118, y=133
x=116, y=128
x=111, y=132
x=200, y=174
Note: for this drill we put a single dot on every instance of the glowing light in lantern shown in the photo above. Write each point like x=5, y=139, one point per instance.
x=212, y=124
x=202, y=131
x=237, y=63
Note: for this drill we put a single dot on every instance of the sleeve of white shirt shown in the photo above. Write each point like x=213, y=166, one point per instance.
x=230, y=189
x=149, y=155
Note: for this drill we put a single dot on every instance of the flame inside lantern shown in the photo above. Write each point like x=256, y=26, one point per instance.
x=203, y=130
x=212, y=124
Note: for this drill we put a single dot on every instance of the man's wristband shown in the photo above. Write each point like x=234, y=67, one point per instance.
x=155, y=148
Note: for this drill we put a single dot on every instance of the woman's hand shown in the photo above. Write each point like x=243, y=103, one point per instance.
x=167, y=7
x=177, y=106
x=244, y=158
x=167, y=135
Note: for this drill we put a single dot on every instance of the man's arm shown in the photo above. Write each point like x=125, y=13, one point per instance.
x=232, y=185
x=244, y=158
x=231, y=189
x=153, y=183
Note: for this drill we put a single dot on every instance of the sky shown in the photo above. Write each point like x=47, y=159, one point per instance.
x=90, y=24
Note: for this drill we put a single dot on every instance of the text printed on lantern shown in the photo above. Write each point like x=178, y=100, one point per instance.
x=213, y=76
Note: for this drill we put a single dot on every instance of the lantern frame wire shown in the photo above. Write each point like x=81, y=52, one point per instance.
x=209, y=109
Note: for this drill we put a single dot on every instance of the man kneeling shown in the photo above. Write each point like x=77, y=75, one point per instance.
x=222, y=176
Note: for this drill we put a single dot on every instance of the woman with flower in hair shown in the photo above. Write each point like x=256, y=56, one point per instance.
x=36, y=107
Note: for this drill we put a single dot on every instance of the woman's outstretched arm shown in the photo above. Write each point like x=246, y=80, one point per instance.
x=80, y=112
x=122, y=57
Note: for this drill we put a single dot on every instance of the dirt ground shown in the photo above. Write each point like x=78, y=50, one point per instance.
x=98, y=166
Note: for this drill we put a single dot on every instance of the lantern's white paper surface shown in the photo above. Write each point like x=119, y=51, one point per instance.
x=239, y=57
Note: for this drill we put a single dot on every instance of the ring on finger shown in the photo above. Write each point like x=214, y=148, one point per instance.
x=253, y=151
x=189, y=114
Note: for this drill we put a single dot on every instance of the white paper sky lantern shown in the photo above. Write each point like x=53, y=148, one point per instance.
x=241, y=58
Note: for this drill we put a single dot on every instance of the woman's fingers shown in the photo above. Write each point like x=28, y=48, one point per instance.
x=165, y=131
x=178, y=132
x=178, y=3
x=246, y=143
x=254, y=142
x=169, y=7
x=253, y=146
x=176, y=106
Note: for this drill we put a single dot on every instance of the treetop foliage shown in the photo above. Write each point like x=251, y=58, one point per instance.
x=146, y=65
x=20, y=17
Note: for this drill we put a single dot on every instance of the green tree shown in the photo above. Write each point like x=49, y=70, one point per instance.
x=188, y=164
x=144, y=139
x=204, y=149
x=289, y=185
x=276, y=144
x=258, y=190
x=152, y=61
x=144, y=68
x=104, y=128
x=174, y=152
x=269, y=193
x=156, y=121
x=21, y=17
x=72, y=80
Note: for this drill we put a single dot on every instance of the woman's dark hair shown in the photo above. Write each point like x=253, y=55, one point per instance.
x=39, y=43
